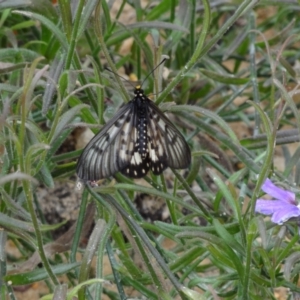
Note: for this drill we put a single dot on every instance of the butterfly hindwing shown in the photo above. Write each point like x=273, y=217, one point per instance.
x=157, y=151
x=137, y=168
x=171, y=147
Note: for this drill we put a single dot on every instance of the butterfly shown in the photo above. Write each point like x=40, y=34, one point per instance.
x=137, y=139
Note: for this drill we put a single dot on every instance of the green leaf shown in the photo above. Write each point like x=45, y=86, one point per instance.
x=44, y=176
x=55, y=71
x=157, y=25
x=72, y=294
x=12, y=54
x=224, y=78
x=38, y=274
x=23, y=25
x=158, y=10
x=200, y=110
x=228, y=238
x=66, y=119
x=192, y=295
x=56, y=143
x=49, y=24
x=86, y=16
x=86, y=113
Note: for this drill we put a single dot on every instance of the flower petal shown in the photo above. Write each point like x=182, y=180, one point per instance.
x=269, y=188
x=282, y=216
x=269, y=207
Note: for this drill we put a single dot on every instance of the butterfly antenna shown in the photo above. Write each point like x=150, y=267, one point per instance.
x=153, y=70
x=116, y=74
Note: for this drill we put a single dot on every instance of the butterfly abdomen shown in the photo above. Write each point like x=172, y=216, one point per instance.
x=142, y=134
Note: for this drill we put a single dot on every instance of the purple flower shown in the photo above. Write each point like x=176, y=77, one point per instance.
x=282, y=208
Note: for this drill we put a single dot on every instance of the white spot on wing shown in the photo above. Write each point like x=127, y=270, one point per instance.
x=160, y=150
x=126, y=128
x=123, y=154
x=134, y=133
x=138, y=158
x=162, y=124
x=130, y=146
x=153, y=156
x=113, y=131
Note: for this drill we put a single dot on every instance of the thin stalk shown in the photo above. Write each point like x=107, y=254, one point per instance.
x=111, y=221
x=94, y=240
x=252, y=57
x=172, y=11
x=40, y=247
x=93, y=49
x=192, y=195
x=195, y=57
x=147, y=260
x=66, y=16
x=169, y=202
x=192, y=26
x=80, y=221
x=99, y=91
x=111, y=29
x=172, y=18
x=72, y=57
x=3, y=240
x=139, y=18
x=99, y=34
x=83, y=81
x=249, y=250
x=73, y=39
x=114, y=266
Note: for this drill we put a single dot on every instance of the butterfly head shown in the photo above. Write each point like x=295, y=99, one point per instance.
x=139, y=91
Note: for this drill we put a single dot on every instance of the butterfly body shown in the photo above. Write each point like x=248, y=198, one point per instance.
x=142, y=137
x=137, y=139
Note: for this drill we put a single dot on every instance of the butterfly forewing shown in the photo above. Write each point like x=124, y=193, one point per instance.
x=101, y=157
x=138, y=138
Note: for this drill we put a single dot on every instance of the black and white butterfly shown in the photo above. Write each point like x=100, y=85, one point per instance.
x=137, y=139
